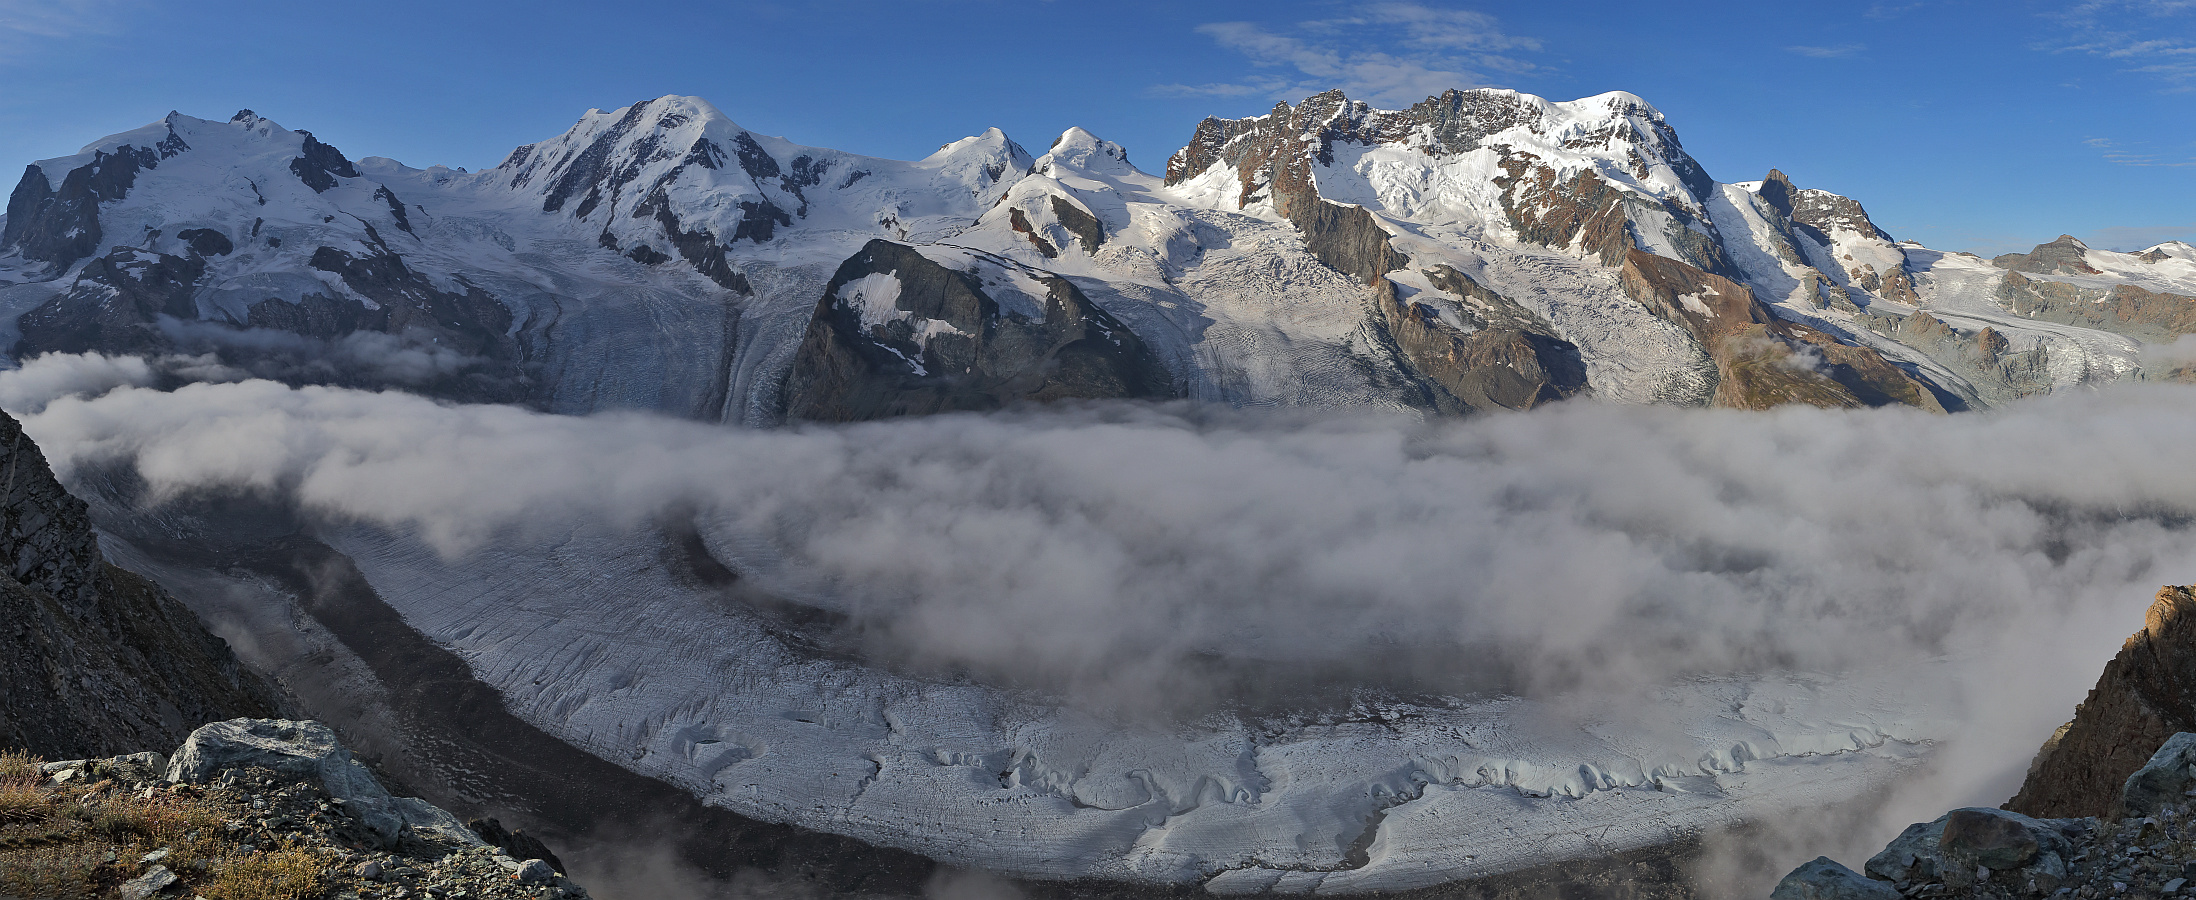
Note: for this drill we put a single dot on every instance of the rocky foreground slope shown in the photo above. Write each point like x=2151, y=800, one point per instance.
x=95, y=659
x=248, y=809
x=1483, y=249
x=2108, y=807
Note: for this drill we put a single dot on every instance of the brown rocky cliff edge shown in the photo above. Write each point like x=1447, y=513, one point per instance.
x=2146, y=694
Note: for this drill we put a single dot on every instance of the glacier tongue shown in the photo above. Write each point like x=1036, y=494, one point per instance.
x=678, y=686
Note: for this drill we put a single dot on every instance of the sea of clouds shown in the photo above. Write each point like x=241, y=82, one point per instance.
x=1114, y=554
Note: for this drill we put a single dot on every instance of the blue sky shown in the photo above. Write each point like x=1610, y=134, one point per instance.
x=1974, y=125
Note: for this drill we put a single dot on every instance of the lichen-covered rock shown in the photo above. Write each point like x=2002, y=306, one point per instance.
x=2165, y=779
x=1993, y=838
x=309, y=751
x=1910, y=856
x=1825, y=879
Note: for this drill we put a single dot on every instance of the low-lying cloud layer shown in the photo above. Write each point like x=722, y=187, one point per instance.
x=1117, y=552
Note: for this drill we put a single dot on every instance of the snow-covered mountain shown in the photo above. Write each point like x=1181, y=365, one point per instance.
x=1481, y=249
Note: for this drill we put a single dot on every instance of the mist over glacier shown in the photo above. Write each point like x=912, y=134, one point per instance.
x=1165, y=560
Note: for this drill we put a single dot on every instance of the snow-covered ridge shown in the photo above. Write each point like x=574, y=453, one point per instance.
x=681, y=156
x=678, y=256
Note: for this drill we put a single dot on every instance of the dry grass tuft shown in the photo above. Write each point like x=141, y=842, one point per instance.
x=286, y=874
x=21, y=803
x=160, y=819
x=50, y=873
x=19, y=767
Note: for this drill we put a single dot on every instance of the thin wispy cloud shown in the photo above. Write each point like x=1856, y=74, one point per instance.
x=1891, y=10
x=26, y=24
x=2129, y=31
x=2140, y=153
x=1839, y=51
x=1430, y=49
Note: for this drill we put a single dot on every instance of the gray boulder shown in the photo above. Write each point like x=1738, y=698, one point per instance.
x=1912, y=856
x=2164, y=780
x=310, y=751
x=152, y=882
x=534, y=871
x=1994, y=838
x=1824, y=879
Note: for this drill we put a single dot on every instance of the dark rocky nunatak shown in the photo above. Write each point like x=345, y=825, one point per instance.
x=1503, y=357
x=984, y=357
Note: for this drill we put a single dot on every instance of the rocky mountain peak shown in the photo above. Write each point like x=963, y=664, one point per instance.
x=1824, y=212
x=2065, y=256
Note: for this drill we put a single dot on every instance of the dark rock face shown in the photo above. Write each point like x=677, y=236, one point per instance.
x=1820, y=212
x=396, y=208
x=114, y=305
x=701, y=249
x=2060, y=257
x=95, y=660
x=1348, y=238
x=206, y=241
x=2146, y=695
x=319, y=165
x=61, y=226
x=1020, y=223
x=1273, y=157
x=474, y=323
x=972, y=356
x=1762, y=361
x=517, y=843
x=1508, y=359
x=1083, y=225
x=1583, y=211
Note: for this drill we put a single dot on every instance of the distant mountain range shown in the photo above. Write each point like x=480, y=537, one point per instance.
x=1482, y=249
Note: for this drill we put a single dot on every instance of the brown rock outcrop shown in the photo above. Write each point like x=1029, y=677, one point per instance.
x=1762, y=361
x=2065, y=256
x=2146, y=694
x=1505, y=358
